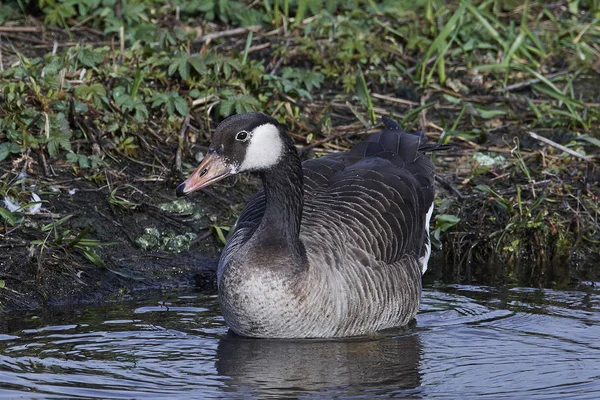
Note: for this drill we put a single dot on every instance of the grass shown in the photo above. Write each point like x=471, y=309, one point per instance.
x=85, y=85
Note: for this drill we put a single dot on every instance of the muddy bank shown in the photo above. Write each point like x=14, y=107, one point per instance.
x=525, y=215
x=103, y=236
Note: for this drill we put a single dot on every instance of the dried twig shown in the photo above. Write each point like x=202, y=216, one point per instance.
x=229, y=32
x=558, y=146
x=122, y=43
x=203, y=100
x=70, y=44
x=23, y=38
x=178, y=155
x=22, y=29
x=530, y=82
x=259, y=47
x=394, y=99
x=276, y=66
x=423, y=114
x=44, y=163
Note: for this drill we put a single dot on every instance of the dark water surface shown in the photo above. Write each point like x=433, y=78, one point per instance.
x=468, y=342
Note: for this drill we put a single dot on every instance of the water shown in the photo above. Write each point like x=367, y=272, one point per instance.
x=468, y=342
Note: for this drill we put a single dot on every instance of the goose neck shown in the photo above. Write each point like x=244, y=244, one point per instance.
x=284, y=195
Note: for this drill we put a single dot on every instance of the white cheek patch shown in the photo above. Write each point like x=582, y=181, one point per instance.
x=265, y=148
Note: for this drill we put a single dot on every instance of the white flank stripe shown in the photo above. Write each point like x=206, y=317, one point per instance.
x=425, y=259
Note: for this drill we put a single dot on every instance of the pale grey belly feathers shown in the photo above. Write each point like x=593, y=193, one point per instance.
x=346, y=291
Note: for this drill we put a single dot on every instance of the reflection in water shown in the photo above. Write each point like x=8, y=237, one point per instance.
x=352, y=366
x=469, y=342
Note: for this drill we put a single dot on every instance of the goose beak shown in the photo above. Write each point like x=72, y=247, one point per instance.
x=212, y=169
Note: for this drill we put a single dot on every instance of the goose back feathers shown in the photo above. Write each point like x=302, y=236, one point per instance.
x=334, y=246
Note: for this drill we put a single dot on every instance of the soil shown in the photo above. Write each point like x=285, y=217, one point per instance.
x=58, y=272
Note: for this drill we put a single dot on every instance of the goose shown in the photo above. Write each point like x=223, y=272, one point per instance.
x=330, y=247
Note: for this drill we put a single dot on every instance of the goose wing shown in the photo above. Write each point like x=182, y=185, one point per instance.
x=243, y=229
x=374, y=198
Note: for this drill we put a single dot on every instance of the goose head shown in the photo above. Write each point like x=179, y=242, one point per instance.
x=244, y=142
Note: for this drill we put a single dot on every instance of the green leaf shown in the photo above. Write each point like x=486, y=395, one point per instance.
x=125, y=273
x=452, y=26
x=181, y=105
x=90, y=57
x=219, y=231
x=57, y=14
x=587, y=138
x=130, y=104
x=501, y=201
x=93, y=92
x=240, y=103
x=11, y=218
x=53, y=225
x=145, y=32
x=293, y=78
x=137, y=80
x=444, y=222
x=159, y=99
x=363, y=94
x=198, y=62
x=2, y=284
x=91, y=255
x=141, y=112
x=173, y=102
x=8, y=148
x=485, y=24
x=226, y=108
x=134, y=12
x=180, y=64
x=82, y=160
x=488, y=114
x=60, y=134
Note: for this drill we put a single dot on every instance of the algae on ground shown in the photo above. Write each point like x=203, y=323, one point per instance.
x=153, y=239
x=182, y=206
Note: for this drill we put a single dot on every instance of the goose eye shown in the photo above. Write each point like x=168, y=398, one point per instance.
x=242, y=136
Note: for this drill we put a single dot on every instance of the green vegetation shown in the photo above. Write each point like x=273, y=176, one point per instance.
x=90, y=88
x=63, y=240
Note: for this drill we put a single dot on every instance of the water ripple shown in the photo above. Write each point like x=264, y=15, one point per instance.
x=468, y=342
